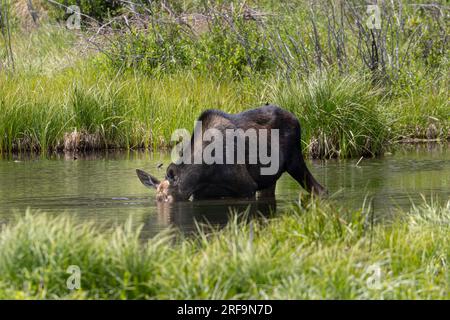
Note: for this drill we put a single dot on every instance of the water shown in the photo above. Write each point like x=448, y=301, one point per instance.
x=104, y=187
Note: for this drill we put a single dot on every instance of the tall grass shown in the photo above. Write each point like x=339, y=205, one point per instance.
x=82, y=109
x=314, y=251
x=122, y=111
x=421, y=113
x=46, y=50
x=5, y=31
x=342, y=116
x=63, y=96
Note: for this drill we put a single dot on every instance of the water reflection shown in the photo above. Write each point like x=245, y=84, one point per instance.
x=104, y=187
x=189, y=216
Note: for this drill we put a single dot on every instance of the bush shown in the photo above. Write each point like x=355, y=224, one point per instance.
x=97, y=9
x=294, y=40
x=230, y=46
x=161, y=49
x=236, y=50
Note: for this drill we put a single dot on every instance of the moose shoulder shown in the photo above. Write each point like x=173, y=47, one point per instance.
x=236, y=155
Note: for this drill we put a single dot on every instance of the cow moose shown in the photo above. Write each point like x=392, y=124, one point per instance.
x=239, y=168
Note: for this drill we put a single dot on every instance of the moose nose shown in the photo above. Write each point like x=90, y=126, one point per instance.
x=162, y=192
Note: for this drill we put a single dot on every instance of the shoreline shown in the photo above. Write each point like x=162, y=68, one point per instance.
x=70, y=154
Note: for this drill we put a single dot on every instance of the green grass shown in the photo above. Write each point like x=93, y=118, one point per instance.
x=46, y=50
x=313, y=251
x=122, y=110
x=415, y=109
x=62, y=96
x=340, y=116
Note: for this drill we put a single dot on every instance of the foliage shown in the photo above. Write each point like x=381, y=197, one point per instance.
x=99, y=10
x=151, y=74
x=294, y=40
x=342, y=116
x=314, y=251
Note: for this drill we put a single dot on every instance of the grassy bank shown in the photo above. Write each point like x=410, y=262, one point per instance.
x=137, y=85
x=317, y=251
x=83, y=108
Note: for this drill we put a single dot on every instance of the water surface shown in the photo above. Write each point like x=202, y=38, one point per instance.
x=104, y=187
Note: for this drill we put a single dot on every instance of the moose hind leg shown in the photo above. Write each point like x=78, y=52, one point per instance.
x=299, y=171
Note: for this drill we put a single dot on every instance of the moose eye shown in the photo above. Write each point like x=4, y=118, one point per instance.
x=170, y=175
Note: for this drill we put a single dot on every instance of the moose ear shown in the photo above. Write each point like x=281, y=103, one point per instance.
x=147, y=179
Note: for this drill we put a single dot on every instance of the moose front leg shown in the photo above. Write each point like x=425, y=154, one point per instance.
x=267, y=192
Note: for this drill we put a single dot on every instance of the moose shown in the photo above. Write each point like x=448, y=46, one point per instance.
x=211, y=165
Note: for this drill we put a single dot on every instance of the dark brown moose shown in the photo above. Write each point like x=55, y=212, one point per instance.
x=276, y=130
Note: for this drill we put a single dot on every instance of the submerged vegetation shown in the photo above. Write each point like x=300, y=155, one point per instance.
x=152, y=68
x=313, y=251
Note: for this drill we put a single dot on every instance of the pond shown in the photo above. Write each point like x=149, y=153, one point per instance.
x=104, y=187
